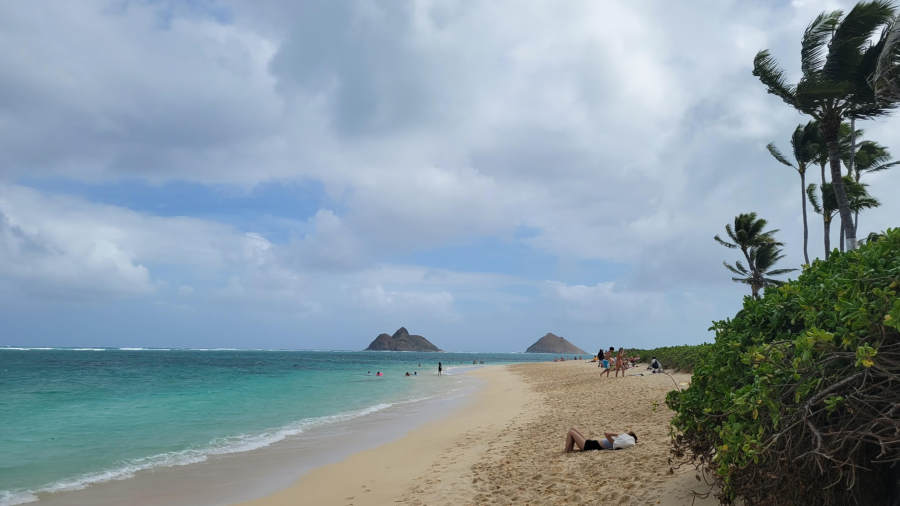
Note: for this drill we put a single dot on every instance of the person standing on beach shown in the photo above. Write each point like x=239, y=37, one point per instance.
x=600, y=358
x=440, y=368
x=620, y=362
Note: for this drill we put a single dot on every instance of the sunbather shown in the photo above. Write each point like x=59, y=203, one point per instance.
x=610, y=441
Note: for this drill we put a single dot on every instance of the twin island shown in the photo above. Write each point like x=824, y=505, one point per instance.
x=402, y=340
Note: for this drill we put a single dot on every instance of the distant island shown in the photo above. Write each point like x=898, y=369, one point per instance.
x=552, y=343
x=401, y=341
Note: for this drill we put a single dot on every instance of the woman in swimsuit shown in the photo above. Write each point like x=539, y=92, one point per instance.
x=610, y=441
x=620, y=362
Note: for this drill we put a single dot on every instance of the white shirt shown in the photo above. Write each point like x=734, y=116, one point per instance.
x=622, y=441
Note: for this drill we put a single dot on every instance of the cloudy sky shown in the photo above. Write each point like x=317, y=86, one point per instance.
x=309, y=174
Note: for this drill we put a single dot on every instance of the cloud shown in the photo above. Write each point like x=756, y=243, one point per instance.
x=624, y=134
x=37, y=264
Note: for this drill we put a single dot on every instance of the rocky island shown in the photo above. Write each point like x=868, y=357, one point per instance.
x=401, y=341
x=552, y=343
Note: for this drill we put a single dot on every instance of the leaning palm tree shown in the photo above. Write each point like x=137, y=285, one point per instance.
x=758, y=273
x=804, y=144
x=760, y=250
x=827, y=206
x=836, y=59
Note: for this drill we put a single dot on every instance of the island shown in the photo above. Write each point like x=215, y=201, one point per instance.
x=552, y=343
x=402, y=340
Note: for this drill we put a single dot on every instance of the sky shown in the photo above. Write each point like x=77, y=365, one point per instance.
x=307, y=175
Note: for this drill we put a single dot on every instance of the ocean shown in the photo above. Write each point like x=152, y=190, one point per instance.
x=71, y=418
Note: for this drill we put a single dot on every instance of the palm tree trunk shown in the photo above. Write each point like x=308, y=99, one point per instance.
x=842, y=240
x=837, y=182
x=852, y=146
x=856, y=213
x=755, y=290
x=805, y=226
x=825, y=222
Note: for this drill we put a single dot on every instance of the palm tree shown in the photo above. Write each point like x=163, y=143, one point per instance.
x=761, y=252
x=836, y=59
x=761, y=259
x=846, y=138
x=870, y=157
x=804, y=144
x=827, y=206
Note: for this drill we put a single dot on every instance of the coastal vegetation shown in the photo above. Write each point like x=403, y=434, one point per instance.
x=674, y=358
x=797, y=400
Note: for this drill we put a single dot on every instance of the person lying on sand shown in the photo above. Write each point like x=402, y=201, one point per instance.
x=611, y=441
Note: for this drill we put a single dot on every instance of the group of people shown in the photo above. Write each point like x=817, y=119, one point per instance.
x=611, y=359
x=440, y=369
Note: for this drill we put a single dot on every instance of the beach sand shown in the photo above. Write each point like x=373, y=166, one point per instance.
x=505, y=447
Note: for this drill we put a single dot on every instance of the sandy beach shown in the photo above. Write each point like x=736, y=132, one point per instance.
x=505, y=446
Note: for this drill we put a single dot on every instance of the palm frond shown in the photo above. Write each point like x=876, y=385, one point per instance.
x=723, y=243
x=879, y=168
x=772, y=76
x=735, y=269
x=779, y=272
x=812, y=47
x=813, y=198
x=851, y=36
x=885, y=80
x=777, y=155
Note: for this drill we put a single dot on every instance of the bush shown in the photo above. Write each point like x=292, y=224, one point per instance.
x=674, y=358
x=798, y=399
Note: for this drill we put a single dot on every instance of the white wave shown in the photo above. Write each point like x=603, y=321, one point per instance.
x=222, y=446
x=9, y=497
x=131, y=349
x=87, y=349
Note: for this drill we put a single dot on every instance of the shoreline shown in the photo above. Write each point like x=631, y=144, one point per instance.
x=423, y=459
x=238, y=476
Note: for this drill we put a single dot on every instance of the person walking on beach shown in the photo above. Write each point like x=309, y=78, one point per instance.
x=440, y=368
x=620, y=362
x=605, y=362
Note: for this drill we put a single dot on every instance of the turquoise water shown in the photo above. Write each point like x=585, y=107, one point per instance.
x=70, y=418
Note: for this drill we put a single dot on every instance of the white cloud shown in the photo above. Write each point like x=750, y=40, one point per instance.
x=618, y=132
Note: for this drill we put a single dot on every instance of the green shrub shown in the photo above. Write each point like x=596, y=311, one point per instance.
x=798, y=399
x=674, y=358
